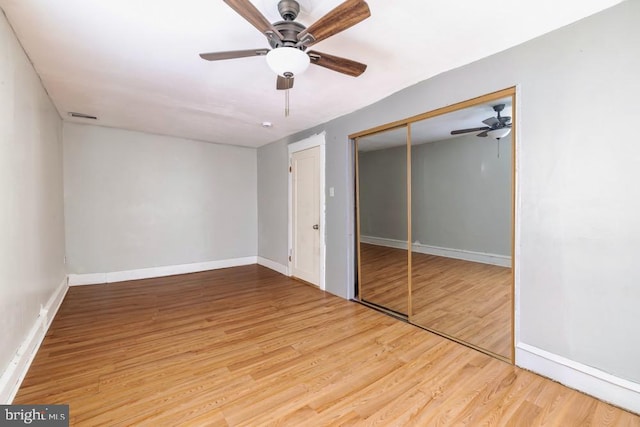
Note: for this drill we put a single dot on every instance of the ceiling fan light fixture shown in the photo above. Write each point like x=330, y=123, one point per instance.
x=499, y=133
x=285, y=60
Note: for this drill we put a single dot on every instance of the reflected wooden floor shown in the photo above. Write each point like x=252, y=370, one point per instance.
x=384, y=277
x=248, y=346
x=467, y=300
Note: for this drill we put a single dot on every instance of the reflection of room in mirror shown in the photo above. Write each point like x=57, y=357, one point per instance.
x=439, y=128
x=461, y=206
x=382, y=164
x=384, y=273
x=461, y=230
x=467, y=300
x=461, y=197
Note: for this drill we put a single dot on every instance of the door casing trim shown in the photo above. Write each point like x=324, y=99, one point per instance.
x=317, y=140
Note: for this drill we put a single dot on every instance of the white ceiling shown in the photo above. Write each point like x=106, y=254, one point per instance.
x=134, y=63
x=437, y=128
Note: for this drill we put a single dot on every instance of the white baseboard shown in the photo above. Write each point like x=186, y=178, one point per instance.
x=282, y=269
x=481, y=257
x=147, y=273
x=87, y=279
x=604, y=386
x=17, y=369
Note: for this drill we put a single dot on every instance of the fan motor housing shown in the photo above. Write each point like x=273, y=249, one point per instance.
x=289, y=31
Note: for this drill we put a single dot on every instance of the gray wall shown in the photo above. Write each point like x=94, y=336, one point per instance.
x=135, y=200
x=578, y=205
x=31, y=213
x=383, y=193
x=461, y=194
x=272, y=204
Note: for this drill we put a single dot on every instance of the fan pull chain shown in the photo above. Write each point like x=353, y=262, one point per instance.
x=286, y=102
x=498, y=147
x=288, y=81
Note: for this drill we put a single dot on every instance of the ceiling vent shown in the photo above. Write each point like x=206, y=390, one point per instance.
x=82, y=116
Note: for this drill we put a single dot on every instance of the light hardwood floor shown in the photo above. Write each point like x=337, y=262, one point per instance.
x=384, y=277
x=467, y=300
x=247, y=346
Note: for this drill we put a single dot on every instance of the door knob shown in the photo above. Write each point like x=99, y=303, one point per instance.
x=315, y=227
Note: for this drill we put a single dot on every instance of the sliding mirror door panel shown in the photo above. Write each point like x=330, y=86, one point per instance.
x=461, y=225
x=382, y=219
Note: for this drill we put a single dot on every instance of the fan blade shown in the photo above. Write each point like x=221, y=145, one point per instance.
x=484, y=134
x=491, y=121
x=505, y=119
x=336, y=63
x=460, y=131
x=339, y=19
x=249, y=12
x=231, y=54
x=284, y=83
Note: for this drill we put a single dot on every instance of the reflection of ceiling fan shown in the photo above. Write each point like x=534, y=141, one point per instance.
x=289, y=39
x=496, y=127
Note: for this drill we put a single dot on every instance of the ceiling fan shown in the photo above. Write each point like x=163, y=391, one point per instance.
x=289, y=39
x=496, y=127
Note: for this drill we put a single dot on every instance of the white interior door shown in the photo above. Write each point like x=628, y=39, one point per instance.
x=305, y=256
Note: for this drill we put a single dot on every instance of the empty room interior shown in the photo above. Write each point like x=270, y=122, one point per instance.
x=278, y=212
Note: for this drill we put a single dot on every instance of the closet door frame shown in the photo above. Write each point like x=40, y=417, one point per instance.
x=407, y=122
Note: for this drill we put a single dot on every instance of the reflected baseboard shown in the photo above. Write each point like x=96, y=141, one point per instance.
x=481, y=257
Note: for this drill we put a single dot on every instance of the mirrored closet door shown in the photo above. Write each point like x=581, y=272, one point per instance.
x=461, y=194
x=450, y=209
x=382, y=220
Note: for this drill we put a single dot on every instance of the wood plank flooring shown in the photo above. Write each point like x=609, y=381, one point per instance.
x=466, y=300
x=249, y=347
x=384, y=277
